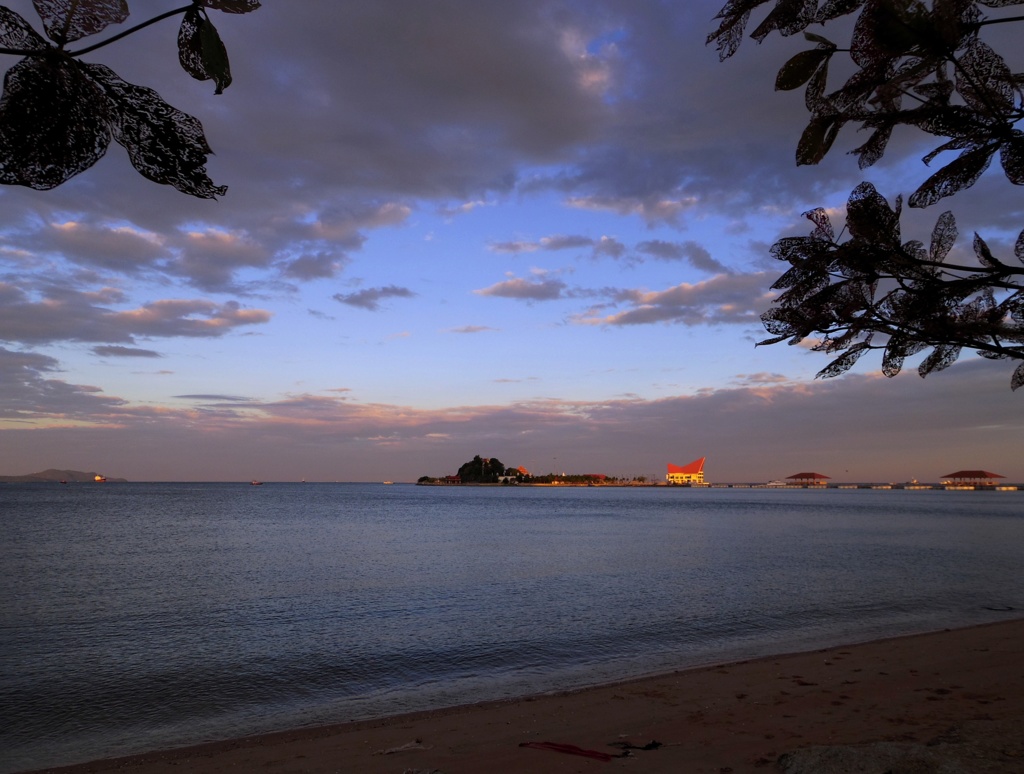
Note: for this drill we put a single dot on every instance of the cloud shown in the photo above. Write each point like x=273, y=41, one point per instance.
x=316, y=265
x=111, y=350
x=692, y=252
x=370, y=298
x=526, y=290
x=92, y=242
x=725, y=298
x=473, y=329
x=67, y=315
x=565, y=242
x=463, y=209
x=604, y=246
x=28, y=395
x=655, y=209
x=214, y=398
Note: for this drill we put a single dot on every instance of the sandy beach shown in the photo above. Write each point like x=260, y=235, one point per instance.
x=949, y=701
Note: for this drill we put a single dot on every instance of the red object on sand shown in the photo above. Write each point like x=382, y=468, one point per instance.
x=570, y=749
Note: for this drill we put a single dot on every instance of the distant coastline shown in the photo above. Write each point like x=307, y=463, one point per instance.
x=755, y=485
x=55, y=476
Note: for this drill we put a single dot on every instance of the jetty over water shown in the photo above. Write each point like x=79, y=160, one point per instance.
x=913, y=485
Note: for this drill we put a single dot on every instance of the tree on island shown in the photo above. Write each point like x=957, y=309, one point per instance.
x=58, y=114
x=920, y=67
x=481, y=470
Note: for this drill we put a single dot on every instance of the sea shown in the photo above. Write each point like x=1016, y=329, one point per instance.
x=139, y=616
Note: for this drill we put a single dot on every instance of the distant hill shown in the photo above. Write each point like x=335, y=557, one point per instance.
x=54, y=475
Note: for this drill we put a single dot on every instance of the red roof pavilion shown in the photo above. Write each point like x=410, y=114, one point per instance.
x=972, y=476
x=693, y=468
x=808, y=477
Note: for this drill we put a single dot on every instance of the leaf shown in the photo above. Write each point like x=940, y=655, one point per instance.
x=232, y=6
x=869, y=217
x=894, y=355
x=814, y=94
x=53, y=123
x=844, y=362
x=941, y=357
x=163, y=143
x=1018, y=248
x=1017, y=380
x=817, y=139
x=788, y=17
x=729, y=35
x=874, y=148
x=823, y=40
x=822, y=225
x=882, y=32
x=1011, y=155
x=17, y=33
x=984, y=81
x=782, y=322
x=799, y=69
x=943, y=237
x=1001, y=3
x=201, y=52
x=958, y=174
x=984, y=254
x=69, y=20
x=833, y=9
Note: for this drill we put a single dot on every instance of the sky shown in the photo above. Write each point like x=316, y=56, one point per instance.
x=536, y=230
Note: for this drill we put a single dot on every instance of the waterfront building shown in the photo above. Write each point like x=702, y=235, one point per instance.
x=686, y=474
x=971, y=478
x=808, y=479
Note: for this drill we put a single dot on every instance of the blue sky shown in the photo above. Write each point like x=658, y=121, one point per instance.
x=531, y=230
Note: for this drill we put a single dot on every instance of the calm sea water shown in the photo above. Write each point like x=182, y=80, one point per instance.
x=142, y=616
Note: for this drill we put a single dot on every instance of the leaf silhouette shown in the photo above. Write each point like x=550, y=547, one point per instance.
x=943, y=236
x=844, y=362
x=68, y=20
x=788, y=17
x=1017, y=380
x=232, y=6
x=163, y=143
x=1011, y=155
x=729, y=35
x=833, y=9
x=822, y=225
x=799, y=69
x=961, y=173
x=869, y=216
x=817, y=139
x=201, y=52
x=17, y=33
x=981, y=249
x=941, y=357
x=984, y=80
x=53, y=123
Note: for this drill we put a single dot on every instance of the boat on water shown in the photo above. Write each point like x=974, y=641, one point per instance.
x=388, y=482
x=254, y=482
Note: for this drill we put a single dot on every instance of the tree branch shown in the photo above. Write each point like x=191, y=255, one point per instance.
x=136, y=28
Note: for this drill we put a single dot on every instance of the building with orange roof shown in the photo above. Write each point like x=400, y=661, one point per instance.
x=686, y=474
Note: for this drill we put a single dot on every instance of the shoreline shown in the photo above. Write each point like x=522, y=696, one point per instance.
x=955, y=695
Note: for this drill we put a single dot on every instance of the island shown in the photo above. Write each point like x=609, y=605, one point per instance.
x=55, y=476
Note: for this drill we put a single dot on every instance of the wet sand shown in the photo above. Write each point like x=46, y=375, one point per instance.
x=950, y=701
